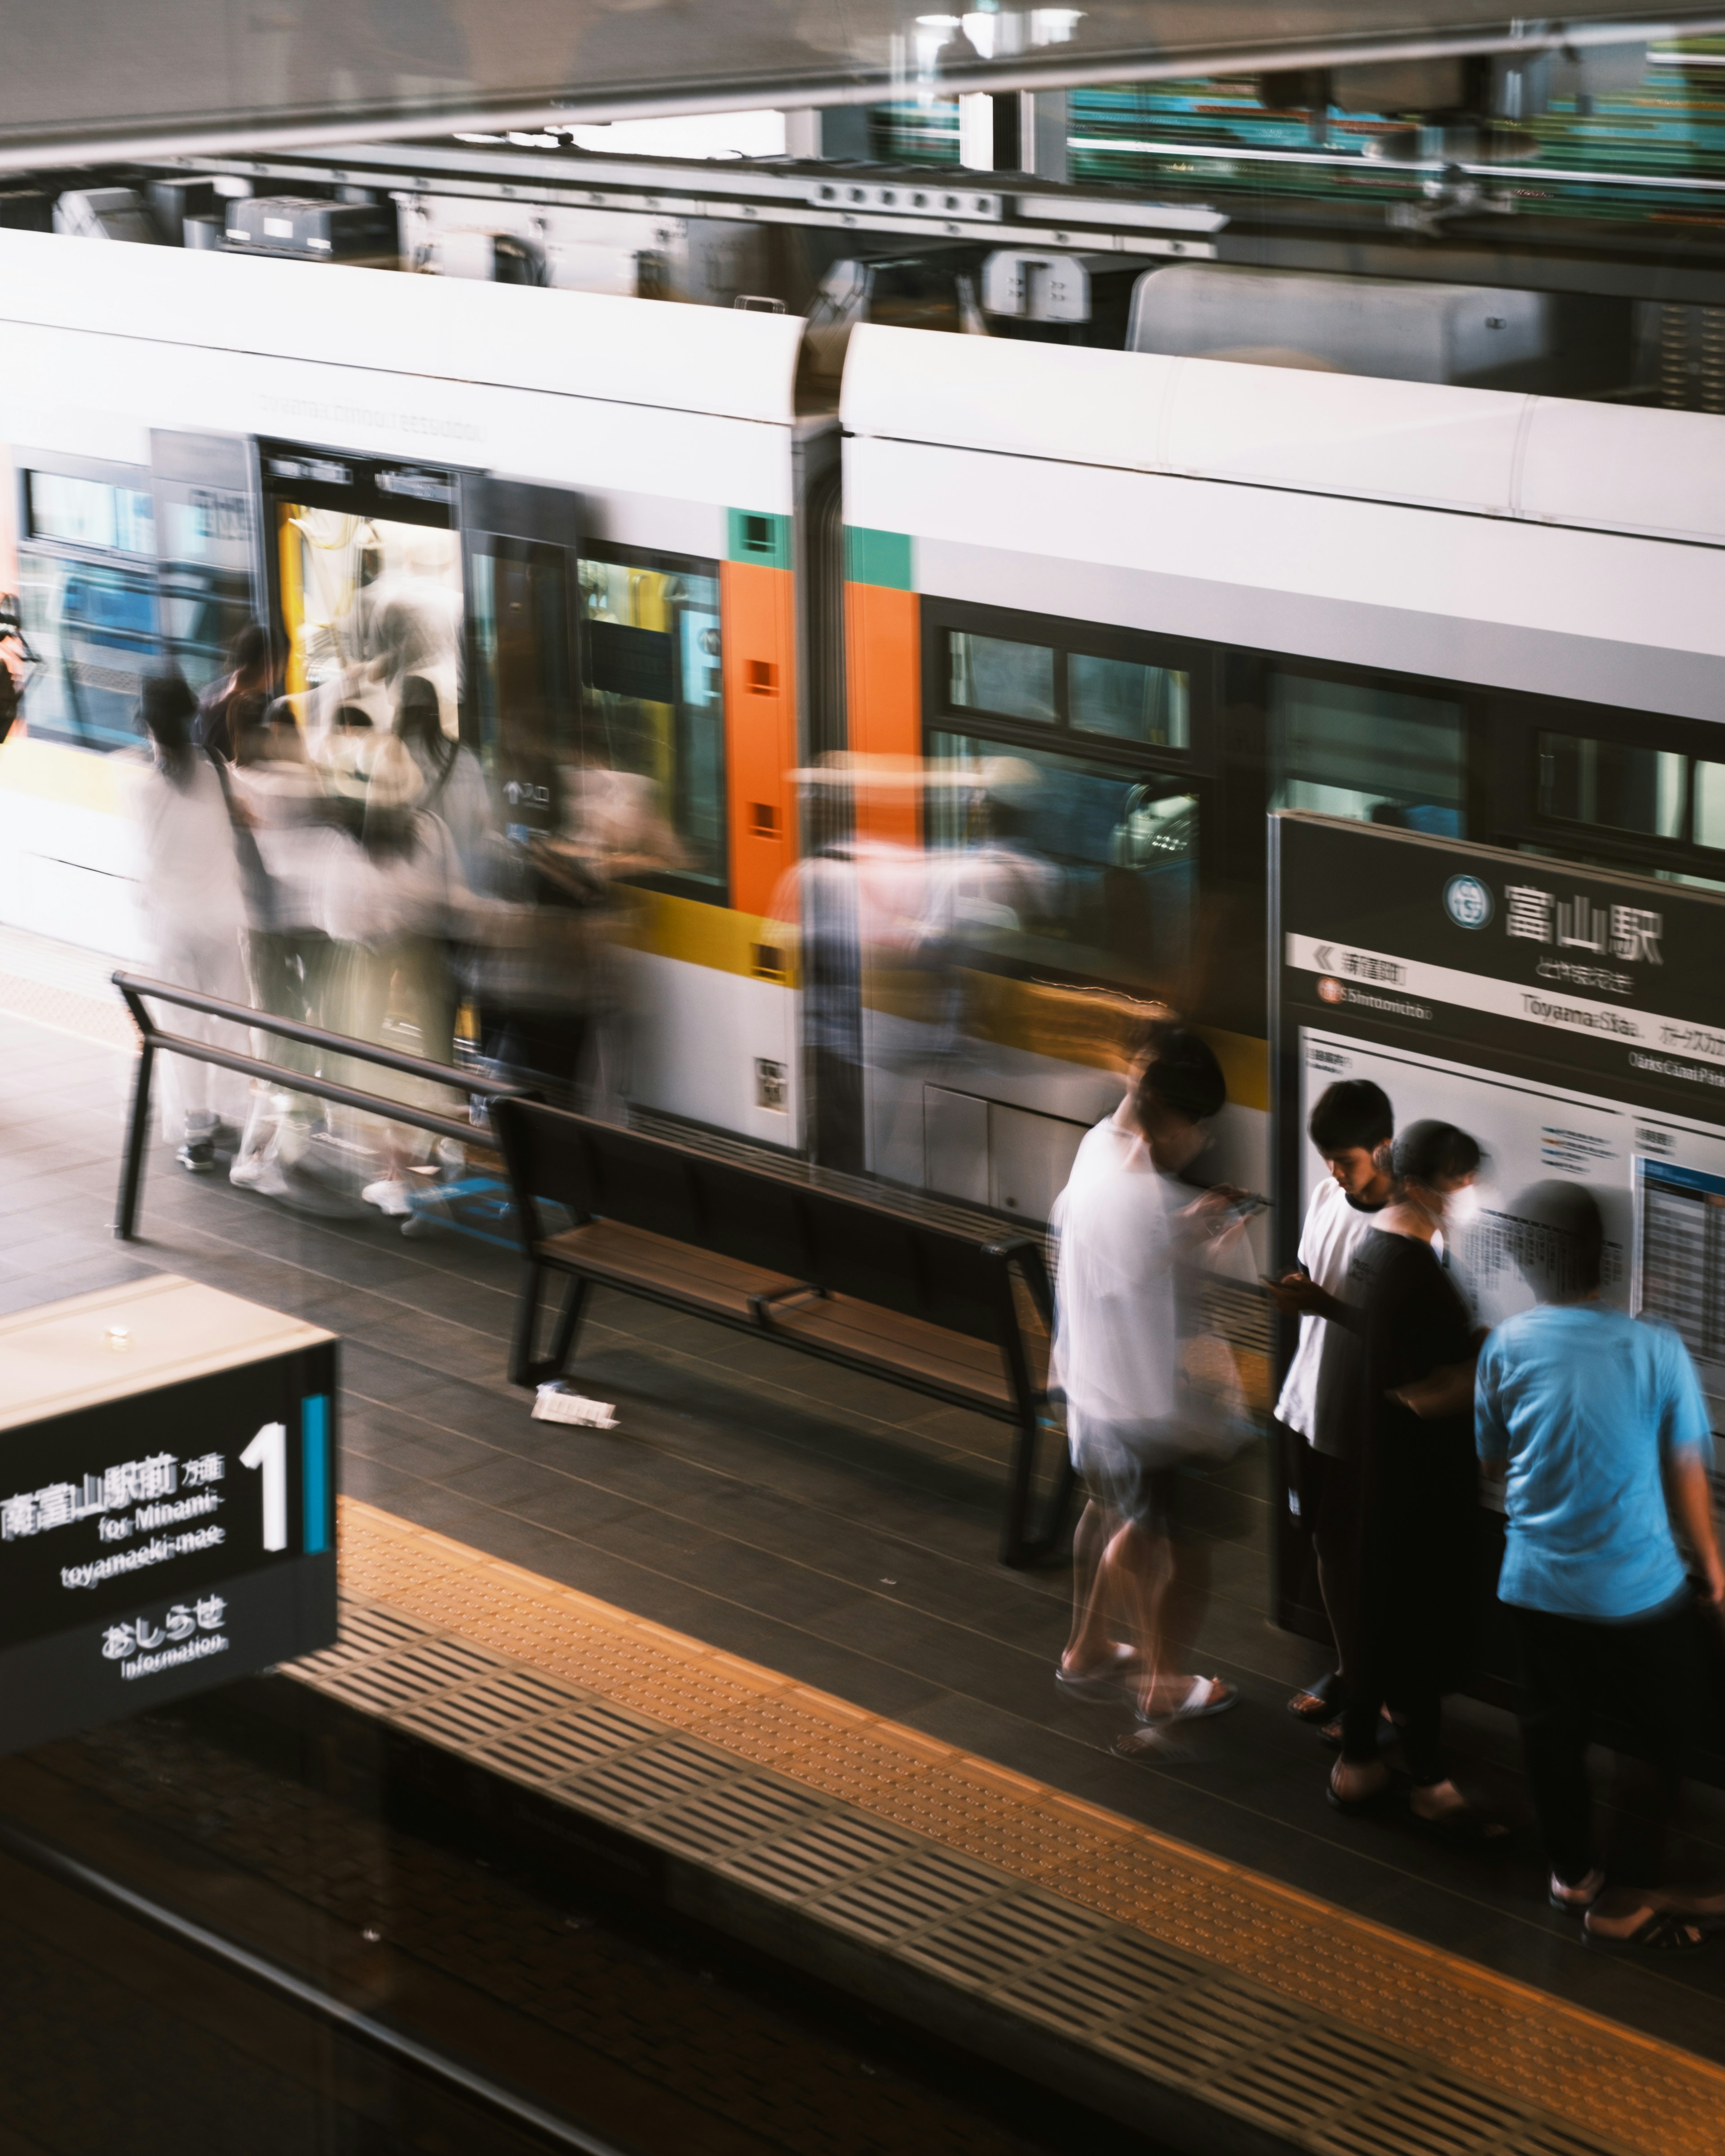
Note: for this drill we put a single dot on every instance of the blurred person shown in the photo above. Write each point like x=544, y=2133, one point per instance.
x=1405, y=1374
x=16, y=657
x=1125, y=1228
x=1351, y=1126
x=1599, y=1423
x=239, y=696
x=395, y=897
x=454, y=786
x=279, y=794
x=196, y=909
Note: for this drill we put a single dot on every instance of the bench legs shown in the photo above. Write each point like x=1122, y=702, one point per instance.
x=526, y=1366
x=1018, y=1545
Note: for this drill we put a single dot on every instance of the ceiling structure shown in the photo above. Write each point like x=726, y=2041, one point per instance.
x=100, y=80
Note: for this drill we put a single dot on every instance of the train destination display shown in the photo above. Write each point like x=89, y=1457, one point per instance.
x=166, y=1501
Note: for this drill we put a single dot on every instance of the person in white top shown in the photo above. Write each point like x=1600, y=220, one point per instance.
x=195, y=906
x=1351, y=1126
x=1127, y=1231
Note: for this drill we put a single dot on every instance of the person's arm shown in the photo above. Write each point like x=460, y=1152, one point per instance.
x=1691, y=1497
x=1444, y=1391
x=1686, y=1444
x=1490, y=1432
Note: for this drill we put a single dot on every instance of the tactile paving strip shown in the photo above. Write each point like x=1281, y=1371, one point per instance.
x=1326, y=2028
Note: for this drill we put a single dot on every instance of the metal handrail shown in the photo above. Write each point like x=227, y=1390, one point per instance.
x=135, y=987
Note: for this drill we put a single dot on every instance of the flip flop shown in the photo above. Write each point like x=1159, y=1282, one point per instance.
x=1320, y=1701
x=1379, y=1804
x=1209, y=1696
x=1098, y=1687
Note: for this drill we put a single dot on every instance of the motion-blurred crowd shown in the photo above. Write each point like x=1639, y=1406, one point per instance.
x=333, y=859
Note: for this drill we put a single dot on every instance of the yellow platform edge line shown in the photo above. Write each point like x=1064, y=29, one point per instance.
x=1562, y=2058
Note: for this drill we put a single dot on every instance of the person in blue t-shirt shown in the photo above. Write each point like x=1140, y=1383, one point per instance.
x=1599, y=1422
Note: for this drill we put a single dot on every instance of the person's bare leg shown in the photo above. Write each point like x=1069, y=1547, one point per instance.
x=1091, y=1644
x=1183, y=1593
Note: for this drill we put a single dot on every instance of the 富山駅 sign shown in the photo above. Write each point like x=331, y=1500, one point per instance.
x=166, y=1501
x=1480, y=952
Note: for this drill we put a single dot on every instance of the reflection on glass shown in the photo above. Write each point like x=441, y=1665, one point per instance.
x=1347, y=748
x=367, y=603
x=206, y=576
x=94, y=630
x=1710, y=804
x=1069, y=865
x=987, y=674
x=654, y=707
x=87, y=512
x=1133, y=702
x=1609, y=782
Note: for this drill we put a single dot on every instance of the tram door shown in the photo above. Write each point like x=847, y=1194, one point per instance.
x=523, y=713
x=205, y=491
x=364, y=565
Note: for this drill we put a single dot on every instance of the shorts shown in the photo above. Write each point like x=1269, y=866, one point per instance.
x=1137, y=1474
x=1138, y=1482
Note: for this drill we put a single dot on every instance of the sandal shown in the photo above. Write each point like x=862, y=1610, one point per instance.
x=1661, y=1931
x=1319, y=1702
x=1376, y=1803
x=1577, y=1900
x=1209, y=1696
x=1098, y=1687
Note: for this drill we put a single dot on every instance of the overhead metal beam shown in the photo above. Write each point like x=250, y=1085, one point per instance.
x=1127, y=41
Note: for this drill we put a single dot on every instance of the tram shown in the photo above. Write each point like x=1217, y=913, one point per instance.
x=1010, y=646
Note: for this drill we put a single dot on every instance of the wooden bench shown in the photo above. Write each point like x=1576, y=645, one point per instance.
x=964, y=1319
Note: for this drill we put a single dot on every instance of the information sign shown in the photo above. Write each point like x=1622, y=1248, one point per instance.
x=166, y=1502
x=1572, y=1019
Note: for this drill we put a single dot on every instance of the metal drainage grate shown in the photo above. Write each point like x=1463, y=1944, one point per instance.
x=1178, y=2021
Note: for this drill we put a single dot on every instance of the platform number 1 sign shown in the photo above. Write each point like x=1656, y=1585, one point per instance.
x=268, y=1452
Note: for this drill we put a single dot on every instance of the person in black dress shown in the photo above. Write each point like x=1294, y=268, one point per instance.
x=1408, y=1371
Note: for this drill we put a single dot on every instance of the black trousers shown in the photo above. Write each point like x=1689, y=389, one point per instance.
x=1645, y=1668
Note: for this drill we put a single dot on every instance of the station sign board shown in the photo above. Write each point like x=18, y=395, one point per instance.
x=1571, y=1018
x=166, y=1502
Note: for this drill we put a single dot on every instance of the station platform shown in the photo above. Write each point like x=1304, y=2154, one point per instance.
x=758, y=1630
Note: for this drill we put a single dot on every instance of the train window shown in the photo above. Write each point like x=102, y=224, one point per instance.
x=1134, y=703
x=1013, y=680
x=1360, y=749
x=1622, y=786
x=1052, y=862
x=652, y=758
x=89, y=512
x=1709, y=790
x=96, y=631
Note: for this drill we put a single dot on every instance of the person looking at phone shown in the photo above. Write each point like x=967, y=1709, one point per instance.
x=1405, y=1370
x=1351, y=1126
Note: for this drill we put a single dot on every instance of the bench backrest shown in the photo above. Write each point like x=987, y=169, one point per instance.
x=844, y=1245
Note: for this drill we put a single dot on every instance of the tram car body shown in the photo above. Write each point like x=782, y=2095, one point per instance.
x=1020, y=697
x=590, y=520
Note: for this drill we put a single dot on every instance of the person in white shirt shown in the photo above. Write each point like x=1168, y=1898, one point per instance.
x=1128, y=1230
x=194, y=905
x=1351, y=1126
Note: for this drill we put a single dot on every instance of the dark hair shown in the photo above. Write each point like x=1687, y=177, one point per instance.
x=352, y=716
x=250, y=649
x=1430, y=1153
x=1182, y=1074
x=1558, y=1239
x=167, y=708
x=1351, y=1112
x=420, y=721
